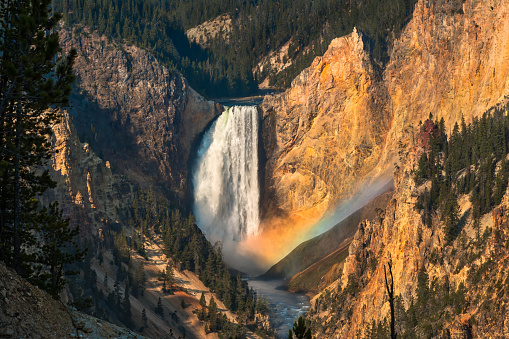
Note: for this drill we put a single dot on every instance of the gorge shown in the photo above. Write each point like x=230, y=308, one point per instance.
x=322, y=186
x=341, y=126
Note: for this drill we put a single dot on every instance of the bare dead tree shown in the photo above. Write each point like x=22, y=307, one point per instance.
x=390, y=292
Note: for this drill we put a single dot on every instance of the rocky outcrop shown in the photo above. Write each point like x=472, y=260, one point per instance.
x=28, y=312
x=91, y=193
x=203, y=33
x=451, y=61
x=132, y=125
x=343, y=119
x=135, y=113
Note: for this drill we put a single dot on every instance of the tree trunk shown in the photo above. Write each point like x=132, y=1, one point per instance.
x=390, y=292
x=17, y=193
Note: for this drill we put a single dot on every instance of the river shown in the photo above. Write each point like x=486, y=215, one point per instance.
x=285, y=306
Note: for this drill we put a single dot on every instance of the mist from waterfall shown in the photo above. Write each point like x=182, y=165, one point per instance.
x=226, y=188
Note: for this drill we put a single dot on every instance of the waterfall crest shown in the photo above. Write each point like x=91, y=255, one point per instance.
x=226, y=189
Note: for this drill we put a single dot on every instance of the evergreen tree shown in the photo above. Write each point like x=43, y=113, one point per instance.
x=450, y=217
x=116, y=291
x=139, y=279
x=35, y=82
x=126, y=305
x=203, y=304
x=212, y=315
x=169, y=274
x=57, y=248
x=159, y=309
x=144, y=318
x=300, y=331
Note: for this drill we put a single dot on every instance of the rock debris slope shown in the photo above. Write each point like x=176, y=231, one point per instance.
x=28, y=312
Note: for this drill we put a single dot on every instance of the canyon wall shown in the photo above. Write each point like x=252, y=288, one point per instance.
x=130, y=130
x=135, y=113
x=132, y=125
x=459, y=288
x=326, y=132
x=91, y=193
x=343, y=120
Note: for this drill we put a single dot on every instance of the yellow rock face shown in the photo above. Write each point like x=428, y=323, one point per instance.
x=342, y=120
x=450, y=65
x=323, y=135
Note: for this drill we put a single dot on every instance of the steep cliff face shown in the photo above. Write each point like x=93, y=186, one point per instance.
x=326, y=131
x=459, y=289
x=451, y=61
x=88, y=190
x=129, y=133
x=135, y=113
x=342, y=120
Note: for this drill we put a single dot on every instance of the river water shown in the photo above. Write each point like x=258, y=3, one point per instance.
x=285, y=306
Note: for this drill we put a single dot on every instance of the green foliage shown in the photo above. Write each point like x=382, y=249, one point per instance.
x=300, y=330
x=378, y=330
x=472, y=161
x=126, y=305
x=139, y=280
x=436, y=302
x=35, y=81
x=450, y=217
x=259, y=27
x=169, y=275
x=158, y=26
x=159, y=309
x=187, y=248
x=212, y=314
x=56, y=250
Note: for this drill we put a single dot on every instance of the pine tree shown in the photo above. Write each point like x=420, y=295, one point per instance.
x=169, y=275
x=126, y=304
x=159, y=309
x=203, y=304
x=144, y=318
x=240, y=293
x=139, y=279
x=423, y=170
x=34, y=84
x=57, y=248
x=300, y=331
x=212, y=315
x=116, y=291
x=450, y=217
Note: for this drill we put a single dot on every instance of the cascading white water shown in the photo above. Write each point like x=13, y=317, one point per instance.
x=226, y=189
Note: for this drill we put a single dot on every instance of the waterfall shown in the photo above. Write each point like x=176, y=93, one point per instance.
x=226, y=189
